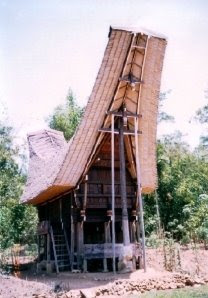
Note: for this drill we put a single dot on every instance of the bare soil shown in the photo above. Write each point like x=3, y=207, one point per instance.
x=193, y=271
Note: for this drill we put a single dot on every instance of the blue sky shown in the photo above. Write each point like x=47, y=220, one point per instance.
x=47, y=46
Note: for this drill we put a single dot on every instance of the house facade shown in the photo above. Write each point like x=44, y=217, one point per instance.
x=88, y=192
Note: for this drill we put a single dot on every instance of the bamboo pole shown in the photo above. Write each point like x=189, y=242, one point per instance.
x=113, y=191
x=139, y=194
x=125, y=220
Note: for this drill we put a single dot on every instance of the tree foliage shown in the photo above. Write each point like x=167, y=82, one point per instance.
x=17, y=222
x=66, y=117
x=182, y=183
x=201, y=116
x=162, y=115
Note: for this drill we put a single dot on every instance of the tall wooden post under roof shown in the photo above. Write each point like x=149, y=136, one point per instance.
x=115, y=148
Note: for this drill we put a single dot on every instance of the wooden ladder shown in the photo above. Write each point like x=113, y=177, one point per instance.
x=60, y=249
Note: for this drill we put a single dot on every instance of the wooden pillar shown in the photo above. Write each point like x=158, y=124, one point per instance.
x=39, y=248
x=80, y=243
x=48, y=248
x=85, y=265
x=113, y=192
x=72, y=234
x=107, y=232
x=133, y=231
x=107, y=240
x=125, y=221
x=139, y=194
x=138, y=230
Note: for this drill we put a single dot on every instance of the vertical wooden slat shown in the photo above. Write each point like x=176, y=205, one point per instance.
x=139, y=194
x=113, y=191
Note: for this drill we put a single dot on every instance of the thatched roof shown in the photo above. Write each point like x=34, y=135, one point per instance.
x=130, y=56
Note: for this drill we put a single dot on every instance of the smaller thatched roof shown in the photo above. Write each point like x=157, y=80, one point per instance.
x=47, y=150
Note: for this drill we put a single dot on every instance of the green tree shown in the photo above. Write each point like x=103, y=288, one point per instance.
x=17, y=222
x=196, y=219
x=162, y=115
x=66, y=117
x=202, y=117
x=182, y=180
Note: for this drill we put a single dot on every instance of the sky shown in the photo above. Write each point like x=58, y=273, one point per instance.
x=47, y=46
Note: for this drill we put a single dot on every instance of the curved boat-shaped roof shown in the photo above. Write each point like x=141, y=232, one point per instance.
x=129, y=75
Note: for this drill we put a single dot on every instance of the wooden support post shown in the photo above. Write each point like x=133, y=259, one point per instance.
x=125, y=221
x=113, y=192
x=80, y=243
x=107, y=240
x=39, y=248
x=133, y=231
x=105, y=265
x=139, y=194
x=72, y=235
x=48, y=264
x=48, y=248
x=85, y=193
x=107, y=232
x=85, y=265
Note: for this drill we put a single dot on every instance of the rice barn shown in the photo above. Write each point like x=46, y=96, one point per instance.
x=88, y=191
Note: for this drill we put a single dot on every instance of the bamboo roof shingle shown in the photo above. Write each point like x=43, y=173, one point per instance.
x=129, y=76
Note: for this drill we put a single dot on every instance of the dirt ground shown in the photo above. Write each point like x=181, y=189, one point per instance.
x=106, y=284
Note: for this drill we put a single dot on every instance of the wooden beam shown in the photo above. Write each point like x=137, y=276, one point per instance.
x=130, y=156
x=127, y=113
x=116, y=131
x=113, y=191
x=139, y=47
x=141, y=77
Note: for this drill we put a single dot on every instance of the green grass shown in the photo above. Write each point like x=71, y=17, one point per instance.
x=199, y=292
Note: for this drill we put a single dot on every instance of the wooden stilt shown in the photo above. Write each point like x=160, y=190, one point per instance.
x=105, y=266
x=38, y=248
x=107, y=232
x=48, y=249
x=113, y=193
x=80, y=243
x=133, y=228
x=72, y=235
x=132, y=232
x=125, y=221
x=139, y=194
x=107, y=240
x=85, y=265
